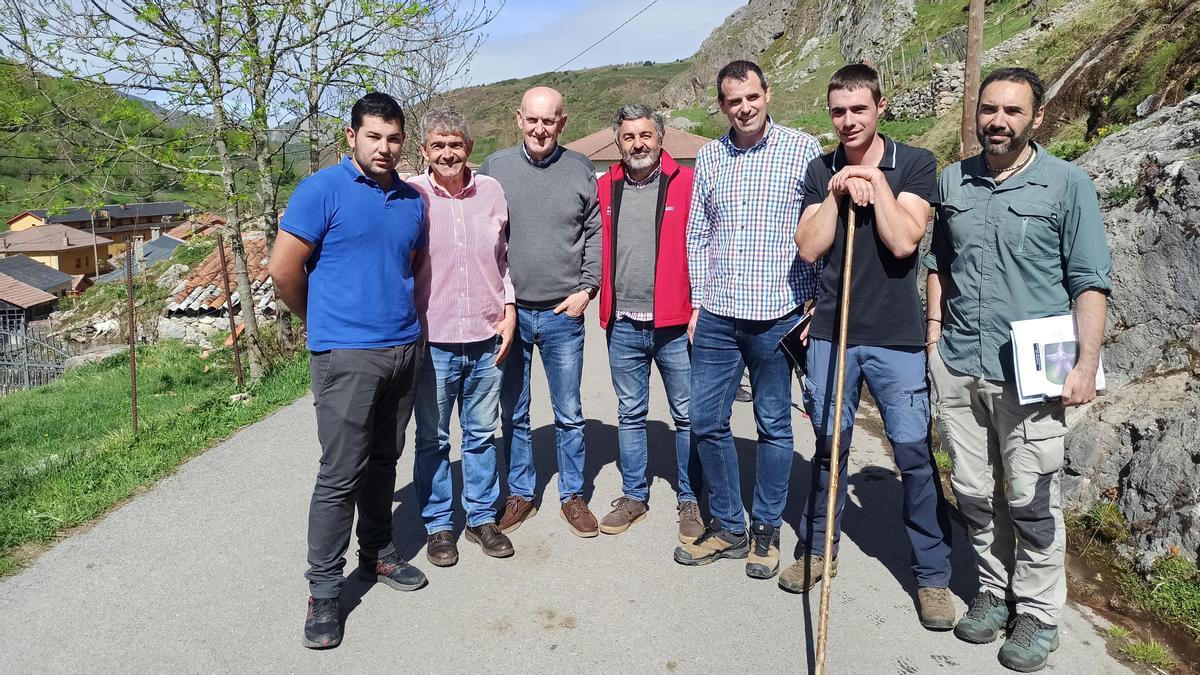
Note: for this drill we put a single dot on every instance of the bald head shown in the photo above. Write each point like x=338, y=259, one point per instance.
x=541, y=120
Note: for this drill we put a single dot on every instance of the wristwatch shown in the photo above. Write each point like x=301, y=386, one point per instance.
x=591, y=291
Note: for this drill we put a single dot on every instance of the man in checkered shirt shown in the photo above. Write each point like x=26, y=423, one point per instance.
x=748, y=285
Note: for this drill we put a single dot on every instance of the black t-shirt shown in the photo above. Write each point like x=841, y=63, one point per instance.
x=885, y=309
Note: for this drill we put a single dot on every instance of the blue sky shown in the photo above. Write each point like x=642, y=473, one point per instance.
x=534, y=36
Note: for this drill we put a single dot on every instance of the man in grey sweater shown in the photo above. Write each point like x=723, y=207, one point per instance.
x=554, y=260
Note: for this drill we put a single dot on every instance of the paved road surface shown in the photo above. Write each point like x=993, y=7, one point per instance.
x=204, y=573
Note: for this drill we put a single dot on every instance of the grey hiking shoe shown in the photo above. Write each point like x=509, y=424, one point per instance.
x=763, y=560
x=985, y=618
x=803, y=574
x=936, y=608
x=1028, y=645
x=625, y=512
x=691, y=525
x=713, y=545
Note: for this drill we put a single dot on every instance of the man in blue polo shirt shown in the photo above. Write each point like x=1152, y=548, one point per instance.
x=343, y=263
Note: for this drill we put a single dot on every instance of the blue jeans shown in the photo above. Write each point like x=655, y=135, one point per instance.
x=632, y=346
x=896, y=379
x=559, y=337
x=723, y=347
x=465, y=374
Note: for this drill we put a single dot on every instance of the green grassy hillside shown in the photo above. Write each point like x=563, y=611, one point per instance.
x=42, y=168
x=590, y=99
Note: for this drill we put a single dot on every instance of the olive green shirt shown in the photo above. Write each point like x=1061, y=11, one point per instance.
x=1021, y=249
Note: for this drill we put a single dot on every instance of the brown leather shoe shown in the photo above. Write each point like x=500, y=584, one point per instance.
x=625, y=512
x=579, y=518
x=517, y=510
x=441, y=549
x=490, y=539
x=691, y=525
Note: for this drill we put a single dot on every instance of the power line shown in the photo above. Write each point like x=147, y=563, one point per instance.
x=585, y=50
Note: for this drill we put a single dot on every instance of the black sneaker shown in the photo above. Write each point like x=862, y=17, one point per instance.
x=763, y=560
x=713, y=545
x=322, y=626
x=391, y=570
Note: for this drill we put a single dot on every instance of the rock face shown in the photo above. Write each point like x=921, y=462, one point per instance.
x=743, y=35
x=1139, y=445
x=868, y=29
x=865, y=29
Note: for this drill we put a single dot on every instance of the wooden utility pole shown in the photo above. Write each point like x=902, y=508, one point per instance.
x=970, y=143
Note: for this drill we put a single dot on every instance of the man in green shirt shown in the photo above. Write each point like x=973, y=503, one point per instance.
x=1018, y=236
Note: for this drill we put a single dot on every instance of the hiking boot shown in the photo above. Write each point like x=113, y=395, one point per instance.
x=391, y=570
x=690, y=523
x=625, y=512
x=986, y=616
x=517, y=510
x=713, y=545
x=1028, y=645
x=323, y=625
x=490, y=539
x=936, y=609
x=440, y=549
x=763, y=560
x=802, y=575
x=579, y=518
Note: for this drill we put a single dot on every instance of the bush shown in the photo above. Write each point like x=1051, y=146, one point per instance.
x=1069, y=150
x=1119, y=194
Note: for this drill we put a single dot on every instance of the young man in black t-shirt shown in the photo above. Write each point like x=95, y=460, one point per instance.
x=891, y=186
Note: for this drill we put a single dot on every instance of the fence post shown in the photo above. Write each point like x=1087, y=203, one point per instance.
x=26, y=383
x=233, y=336
x=133, y=418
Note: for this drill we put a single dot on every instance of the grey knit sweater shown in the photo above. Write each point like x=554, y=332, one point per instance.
x=553, y=223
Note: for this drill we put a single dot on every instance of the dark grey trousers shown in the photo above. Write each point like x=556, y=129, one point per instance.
x=364, y=398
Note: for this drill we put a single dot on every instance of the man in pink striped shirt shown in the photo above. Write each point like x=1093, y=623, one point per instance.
x=466, y=304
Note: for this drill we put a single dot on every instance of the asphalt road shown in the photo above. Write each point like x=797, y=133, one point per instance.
x=204, y=573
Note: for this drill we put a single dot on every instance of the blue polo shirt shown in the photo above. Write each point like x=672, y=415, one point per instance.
x=360, y=277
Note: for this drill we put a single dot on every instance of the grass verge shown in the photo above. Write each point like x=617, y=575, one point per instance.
x=67, y=453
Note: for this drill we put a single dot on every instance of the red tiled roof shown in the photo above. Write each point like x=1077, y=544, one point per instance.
x=50, y=237
x=203, y=224
x=21, y=294
x=204, y=291
x=602, y=145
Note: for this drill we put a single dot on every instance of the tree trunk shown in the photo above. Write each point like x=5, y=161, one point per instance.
x=970, y=142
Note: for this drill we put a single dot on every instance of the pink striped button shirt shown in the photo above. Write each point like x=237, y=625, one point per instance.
x=462, y=280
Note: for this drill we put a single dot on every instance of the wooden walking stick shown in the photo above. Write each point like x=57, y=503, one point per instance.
x=836, y=446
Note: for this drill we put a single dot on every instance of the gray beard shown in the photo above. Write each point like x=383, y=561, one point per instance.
x=640, y=163
x=1017, y=142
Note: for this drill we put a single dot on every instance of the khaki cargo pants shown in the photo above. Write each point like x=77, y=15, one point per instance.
x=1008, y=461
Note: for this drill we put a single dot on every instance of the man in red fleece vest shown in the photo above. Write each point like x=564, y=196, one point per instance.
x=645, y=306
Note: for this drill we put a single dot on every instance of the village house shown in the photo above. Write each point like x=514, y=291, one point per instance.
x=64, y=248
x=38, y=275
x=601, y=147
x=18, y=297
x=121, y=224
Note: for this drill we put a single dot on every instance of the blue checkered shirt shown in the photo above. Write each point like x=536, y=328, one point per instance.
x=742, y=257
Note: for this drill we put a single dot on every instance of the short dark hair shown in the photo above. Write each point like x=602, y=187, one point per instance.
x=376, y=104
x=740, y=71
x=1018, y=75
x=856, y=76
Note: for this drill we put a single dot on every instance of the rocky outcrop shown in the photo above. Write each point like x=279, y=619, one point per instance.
x=745, y=34
x=865, y=29
x=1138, y=446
